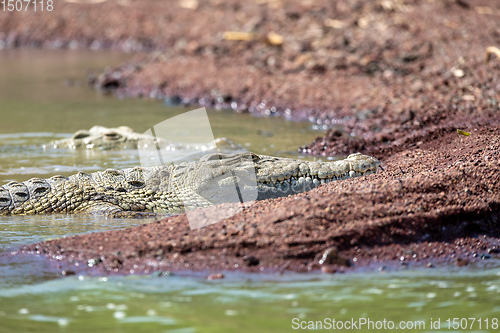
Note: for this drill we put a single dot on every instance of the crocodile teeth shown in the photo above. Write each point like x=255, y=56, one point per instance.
x=322, y=174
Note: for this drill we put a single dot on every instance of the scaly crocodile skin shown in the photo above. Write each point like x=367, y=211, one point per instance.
x=171, y=188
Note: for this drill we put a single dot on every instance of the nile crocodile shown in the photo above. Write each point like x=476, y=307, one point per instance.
x=172, y=188
x=124, y=137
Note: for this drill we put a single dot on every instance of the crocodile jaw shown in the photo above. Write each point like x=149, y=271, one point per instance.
x=296, y=177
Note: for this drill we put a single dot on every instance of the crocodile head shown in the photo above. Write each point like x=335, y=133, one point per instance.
x=278, y=177
x=124, y=137
x=245, y=177
x=101, y=137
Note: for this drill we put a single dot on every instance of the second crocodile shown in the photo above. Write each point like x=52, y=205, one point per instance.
x=124, y=137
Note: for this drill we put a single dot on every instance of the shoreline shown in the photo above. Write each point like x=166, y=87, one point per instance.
x=433, y=207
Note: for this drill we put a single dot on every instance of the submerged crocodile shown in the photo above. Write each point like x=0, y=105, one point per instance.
x=124, y=137
x=173, y=188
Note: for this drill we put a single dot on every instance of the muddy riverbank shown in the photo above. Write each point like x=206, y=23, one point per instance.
x=428, y=206
x=394, y=79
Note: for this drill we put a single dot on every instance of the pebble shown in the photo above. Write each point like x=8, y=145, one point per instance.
x=251, y=261
x=216, y=276
x=331, y=257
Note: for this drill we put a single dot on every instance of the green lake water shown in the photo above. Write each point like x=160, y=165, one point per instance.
x=43, y=96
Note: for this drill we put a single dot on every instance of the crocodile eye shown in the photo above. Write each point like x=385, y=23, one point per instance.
x=212, y=157
x=112, y=136
x=255, y=157
x=80, y=135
